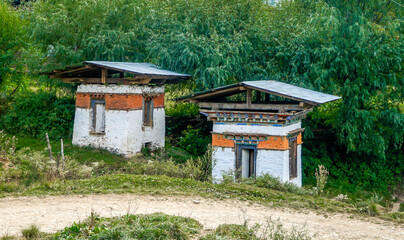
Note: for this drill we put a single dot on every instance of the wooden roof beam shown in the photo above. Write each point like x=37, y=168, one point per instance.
x=252, y=107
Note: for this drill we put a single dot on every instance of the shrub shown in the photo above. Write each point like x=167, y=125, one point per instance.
x=268, y=181
x=38, y=113
x=194, y=142
x=153, y=226
x=321, y=178
x=231, y=231
x=31, y=233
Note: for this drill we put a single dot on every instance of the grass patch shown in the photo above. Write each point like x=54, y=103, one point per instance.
x=29, y=171
x=395, y=217
x=163, y=185
x=31, y=233
x=153, y=226
x=162, y=226
x=231, y=231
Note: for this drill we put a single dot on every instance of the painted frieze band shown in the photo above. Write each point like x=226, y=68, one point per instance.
x=262, y=141
x=118, y=101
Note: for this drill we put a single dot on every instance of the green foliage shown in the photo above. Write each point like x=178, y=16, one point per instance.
x=231, y=231
x=12, y=43
x=194, y=142
x=349, y=48
x=182, y=110
x=153, y=226
x=268, y=181
x=31, y=233
x=38, y=113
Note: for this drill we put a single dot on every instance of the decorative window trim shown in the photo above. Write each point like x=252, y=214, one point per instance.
x=147, y=111
x=94, y=102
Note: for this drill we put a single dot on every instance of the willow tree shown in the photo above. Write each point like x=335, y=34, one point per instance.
x=349, y=48
x=11, y=49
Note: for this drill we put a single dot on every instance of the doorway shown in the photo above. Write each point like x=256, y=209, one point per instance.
x=246, y=161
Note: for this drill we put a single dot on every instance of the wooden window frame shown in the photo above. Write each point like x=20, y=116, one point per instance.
x=148, y=102
x=94, y=115
x=292, y=158
x=238, y=165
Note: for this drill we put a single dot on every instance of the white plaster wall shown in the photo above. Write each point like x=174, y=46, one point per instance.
x=115, y=137
x=272, y=162
x=121, y=89
x=124, y=133
x=264, y=129
x=81, y=127
x=135, y=132
x=156, y=134
x=223, y=161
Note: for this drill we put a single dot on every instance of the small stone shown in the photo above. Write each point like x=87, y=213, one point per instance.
x=196, y=201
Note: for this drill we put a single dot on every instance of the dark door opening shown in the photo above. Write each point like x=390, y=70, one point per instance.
x=246, y=161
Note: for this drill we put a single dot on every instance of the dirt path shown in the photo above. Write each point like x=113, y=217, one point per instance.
x=54, y=213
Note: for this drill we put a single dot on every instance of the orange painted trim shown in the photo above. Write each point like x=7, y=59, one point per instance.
x=219, y=141
x=159, y=101
x=299, y=139
x=274, y=142
x=83, y=100
x=123, y=102
x=117, y=101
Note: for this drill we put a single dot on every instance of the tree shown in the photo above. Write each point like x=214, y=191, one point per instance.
x=351, y=48
x=11, y=48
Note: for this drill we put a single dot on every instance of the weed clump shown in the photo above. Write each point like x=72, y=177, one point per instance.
x=153, y=226
x=321, y=179
x=31, y=233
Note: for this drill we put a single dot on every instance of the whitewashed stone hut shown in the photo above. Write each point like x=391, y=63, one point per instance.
x=119, y=105
x=257, y=127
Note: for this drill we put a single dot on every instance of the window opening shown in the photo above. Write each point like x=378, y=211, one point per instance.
x=292, y=158
x=148, y=111
x=98, y=107
x=245, y=162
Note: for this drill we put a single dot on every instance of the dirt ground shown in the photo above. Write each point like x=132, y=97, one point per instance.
x=55, y=212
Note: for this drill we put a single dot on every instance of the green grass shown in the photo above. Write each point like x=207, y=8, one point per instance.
x=93, y=171
x=153, y=226
x=162, y=226
x=163, y=185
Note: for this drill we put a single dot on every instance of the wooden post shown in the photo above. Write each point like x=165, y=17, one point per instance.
x=49, y=146
x=249, y=95
x=104, y=73
x=62, y=153
x=58, y=161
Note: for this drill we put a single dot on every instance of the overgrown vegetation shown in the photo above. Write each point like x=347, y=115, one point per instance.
x=30, y=172
x=349, y=48
x=35, y=114
x=154, y=226
x=162, y=226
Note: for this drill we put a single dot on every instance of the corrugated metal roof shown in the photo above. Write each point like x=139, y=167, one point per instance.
x=291, y=91
x=269, y=86
x=139, y=68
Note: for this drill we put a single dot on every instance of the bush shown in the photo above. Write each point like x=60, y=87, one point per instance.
x=231, y=231
x=153, y=226
x=31, y=233
x=268, y=181
x=37, y=113
x=194, y=142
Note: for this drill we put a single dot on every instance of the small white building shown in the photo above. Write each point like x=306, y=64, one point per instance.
x=257, y=127
x=119, y=105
